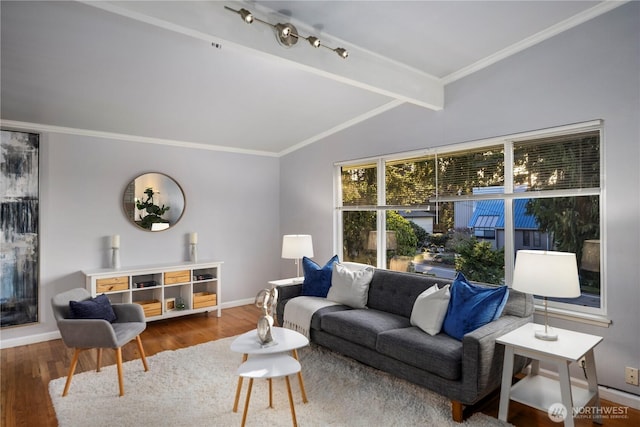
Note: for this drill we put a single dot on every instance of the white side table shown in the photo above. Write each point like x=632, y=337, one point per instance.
x=286, y=282
x=286, y=340
x=268, y=366
x=541, y=392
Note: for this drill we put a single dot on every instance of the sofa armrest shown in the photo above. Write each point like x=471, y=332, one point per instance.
x=285, y=293
x=482, y=359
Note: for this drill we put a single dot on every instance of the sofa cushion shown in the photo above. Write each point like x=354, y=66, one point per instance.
x=317, y=280
x=350, y=287
x=519, y=304
x=361, y=326
x=395, y=292
x=472, y=306
x=316, y=319
x=439, y=354
x=430, y=309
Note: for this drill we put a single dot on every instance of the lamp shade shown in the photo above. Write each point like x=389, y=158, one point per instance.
x=547, y=273
x=296, y=246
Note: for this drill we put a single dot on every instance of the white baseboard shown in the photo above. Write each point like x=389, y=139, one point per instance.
x=54, y=335
x=622, y=398
x=238, y=303
x=30, y=339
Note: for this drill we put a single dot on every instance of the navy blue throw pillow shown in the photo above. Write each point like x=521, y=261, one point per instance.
x=472, y=306
x=317, y=280
x=95, y=308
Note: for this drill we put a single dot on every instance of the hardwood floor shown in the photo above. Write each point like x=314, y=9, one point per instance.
x=27, y=370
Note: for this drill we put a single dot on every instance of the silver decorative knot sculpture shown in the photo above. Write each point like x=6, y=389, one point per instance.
x=266, y=300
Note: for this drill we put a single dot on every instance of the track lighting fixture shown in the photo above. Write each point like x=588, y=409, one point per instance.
x=287, y=34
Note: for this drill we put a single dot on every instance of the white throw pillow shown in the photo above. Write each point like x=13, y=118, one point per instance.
x=350, y=287
x=354, y=266
x=430, y=309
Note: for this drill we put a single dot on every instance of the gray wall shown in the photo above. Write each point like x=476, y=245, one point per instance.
x=232, y=203
x=590, y=72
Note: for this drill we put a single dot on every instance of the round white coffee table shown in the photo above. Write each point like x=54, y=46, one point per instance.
x=268, y=366
x=285, y=341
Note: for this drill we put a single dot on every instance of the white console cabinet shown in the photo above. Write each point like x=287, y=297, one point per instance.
x=163, y=290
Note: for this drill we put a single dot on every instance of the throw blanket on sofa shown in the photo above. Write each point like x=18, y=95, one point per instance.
x=299, y=310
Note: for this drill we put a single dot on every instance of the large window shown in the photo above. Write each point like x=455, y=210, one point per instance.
x=471, y=207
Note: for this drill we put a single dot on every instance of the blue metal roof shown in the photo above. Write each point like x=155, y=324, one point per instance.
x=492, y=211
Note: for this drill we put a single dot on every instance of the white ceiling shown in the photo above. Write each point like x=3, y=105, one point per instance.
x=148, y=70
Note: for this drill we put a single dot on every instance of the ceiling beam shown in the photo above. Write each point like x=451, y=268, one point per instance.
x=210, y=22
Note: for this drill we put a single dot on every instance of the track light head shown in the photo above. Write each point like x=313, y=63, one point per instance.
x=314, y=41
x=341, y=52
x=246, y=16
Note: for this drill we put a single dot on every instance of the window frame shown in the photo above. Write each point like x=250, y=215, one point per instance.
x=595, y=315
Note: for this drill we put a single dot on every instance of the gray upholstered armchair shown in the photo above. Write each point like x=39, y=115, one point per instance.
x=84, y=334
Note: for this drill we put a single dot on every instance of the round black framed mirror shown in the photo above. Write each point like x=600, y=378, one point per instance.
x=153, y=201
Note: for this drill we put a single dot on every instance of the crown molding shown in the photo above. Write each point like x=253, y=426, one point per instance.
x=541, y=36
x=36, y=127
x=361, y=118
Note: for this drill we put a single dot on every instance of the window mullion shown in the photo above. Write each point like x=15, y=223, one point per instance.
x=509, y=228
x=437, y=202
x=338, y=222
x=381, y=217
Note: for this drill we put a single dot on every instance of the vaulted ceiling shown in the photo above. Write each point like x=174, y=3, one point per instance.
x=194, y=74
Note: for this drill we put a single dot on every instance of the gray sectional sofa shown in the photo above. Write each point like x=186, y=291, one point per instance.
x=381, y=336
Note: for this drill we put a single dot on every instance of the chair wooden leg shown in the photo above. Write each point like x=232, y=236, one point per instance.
x=246, y=403
x=119, y=363
x=457, y=411
x=141, y=350
x=99, y=359
x=72, y=369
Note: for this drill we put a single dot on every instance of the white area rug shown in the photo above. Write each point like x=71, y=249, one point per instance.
x=196, y=386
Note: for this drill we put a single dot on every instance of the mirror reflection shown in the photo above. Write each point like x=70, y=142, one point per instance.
x=153, y=201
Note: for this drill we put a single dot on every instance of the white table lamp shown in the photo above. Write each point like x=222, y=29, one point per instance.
x=296, y=246
x=548, y=274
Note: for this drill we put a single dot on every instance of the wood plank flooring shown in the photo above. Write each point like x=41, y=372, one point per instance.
x=26, y=371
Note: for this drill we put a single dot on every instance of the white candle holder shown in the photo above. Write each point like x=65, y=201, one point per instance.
x=115, y=258
x=193, y=252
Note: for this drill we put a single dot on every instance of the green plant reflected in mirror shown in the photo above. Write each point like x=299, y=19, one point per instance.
x=153, y=202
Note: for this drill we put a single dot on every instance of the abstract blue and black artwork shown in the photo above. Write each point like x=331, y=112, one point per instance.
x=19, y=209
